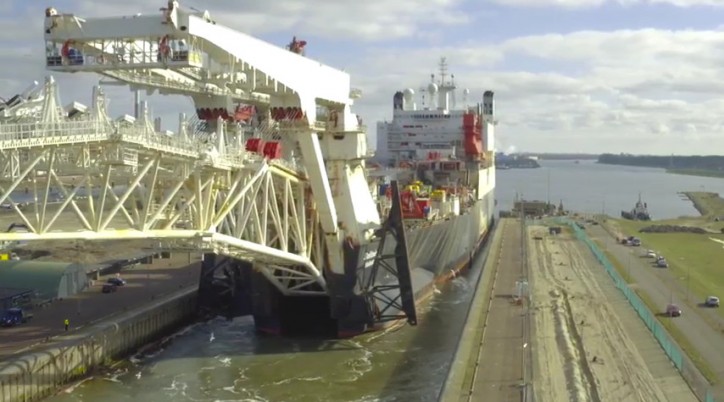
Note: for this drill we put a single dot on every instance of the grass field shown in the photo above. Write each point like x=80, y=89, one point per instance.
x=693, y=257
x=697, y=172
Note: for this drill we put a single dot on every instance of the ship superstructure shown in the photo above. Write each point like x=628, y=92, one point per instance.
x=444, y=153
x=443, y=157
x=431, y=122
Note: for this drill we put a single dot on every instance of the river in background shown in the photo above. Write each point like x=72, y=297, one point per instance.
x=592, y=188
x=221, y=360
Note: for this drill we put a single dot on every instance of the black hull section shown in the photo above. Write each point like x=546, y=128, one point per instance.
x=232, y=288
x=437, y=252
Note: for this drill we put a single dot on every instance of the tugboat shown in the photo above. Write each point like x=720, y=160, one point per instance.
x=639, y=213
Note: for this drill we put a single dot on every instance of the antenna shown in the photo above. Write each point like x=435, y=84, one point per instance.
x=443, y=70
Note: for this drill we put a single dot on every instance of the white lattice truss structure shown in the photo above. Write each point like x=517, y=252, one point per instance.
x=288, y=211
x=126, y=181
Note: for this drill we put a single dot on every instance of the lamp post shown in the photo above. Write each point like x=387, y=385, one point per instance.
x=548, y=188
x=688, y=276
x=628, y=268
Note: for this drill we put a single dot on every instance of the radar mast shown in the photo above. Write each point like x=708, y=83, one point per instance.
x=445, y=88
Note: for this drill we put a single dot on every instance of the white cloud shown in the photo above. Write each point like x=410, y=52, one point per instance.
x=614, y=91
x=339, y=19
x=648, y=90
x=596, y=3
x=549, y=3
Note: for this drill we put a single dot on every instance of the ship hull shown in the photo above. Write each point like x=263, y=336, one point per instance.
x=438, y=251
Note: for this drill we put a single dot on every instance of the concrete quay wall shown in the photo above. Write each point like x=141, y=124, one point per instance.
x=42, y=372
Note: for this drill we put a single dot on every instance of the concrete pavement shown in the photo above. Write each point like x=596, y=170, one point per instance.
x=144, y=283
x=499, y=375
x=488, y=365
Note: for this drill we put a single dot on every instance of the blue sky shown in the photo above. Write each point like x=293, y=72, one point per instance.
x=569, y=75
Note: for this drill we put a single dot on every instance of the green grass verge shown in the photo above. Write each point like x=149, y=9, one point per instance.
x=695, y=258
x=673, y=331
x=697, y=172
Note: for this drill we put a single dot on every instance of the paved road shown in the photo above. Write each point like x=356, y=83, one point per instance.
x=657, y=284
x=145, y=282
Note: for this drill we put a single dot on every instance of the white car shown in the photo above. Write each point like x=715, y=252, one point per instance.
x=651, y=254
x=712, y=301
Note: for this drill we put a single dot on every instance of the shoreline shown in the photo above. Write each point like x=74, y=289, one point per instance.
x=697, y=203
x=696, y=172
x=708, y=204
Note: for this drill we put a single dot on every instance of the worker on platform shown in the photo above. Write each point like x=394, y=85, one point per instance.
x=67, y=324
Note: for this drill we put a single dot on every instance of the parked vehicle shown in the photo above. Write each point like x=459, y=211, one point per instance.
x=116, y=281
x=651, y=254
x=109, y=288
x=672, y=310
x=661, y=262
x=14, y=316
x=712, y=301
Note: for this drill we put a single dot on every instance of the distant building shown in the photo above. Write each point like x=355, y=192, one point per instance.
x=534, y=208
x=14, y=297
x=47, y=279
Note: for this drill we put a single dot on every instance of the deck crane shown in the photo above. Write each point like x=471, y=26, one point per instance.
x=272, y=188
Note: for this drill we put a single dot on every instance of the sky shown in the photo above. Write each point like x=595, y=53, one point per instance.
x=637, y=76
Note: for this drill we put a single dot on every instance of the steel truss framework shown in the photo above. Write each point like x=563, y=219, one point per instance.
x=387, y=287
x=128, y=182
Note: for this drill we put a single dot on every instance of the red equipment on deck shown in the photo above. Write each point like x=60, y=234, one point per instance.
x=472, y=126
x=297, y=46
x=254, y=145
x=411, y=208
x=272, y=150
x=244, y=113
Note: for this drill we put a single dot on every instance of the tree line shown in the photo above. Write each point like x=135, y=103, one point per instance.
x=705, y=162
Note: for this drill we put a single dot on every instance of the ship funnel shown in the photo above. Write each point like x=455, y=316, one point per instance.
x=398, y=101
x=488, y=104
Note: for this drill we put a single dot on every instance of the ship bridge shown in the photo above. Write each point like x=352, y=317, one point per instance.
x=283, y=189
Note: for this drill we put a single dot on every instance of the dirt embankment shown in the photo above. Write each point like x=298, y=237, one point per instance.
x=583, y=348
